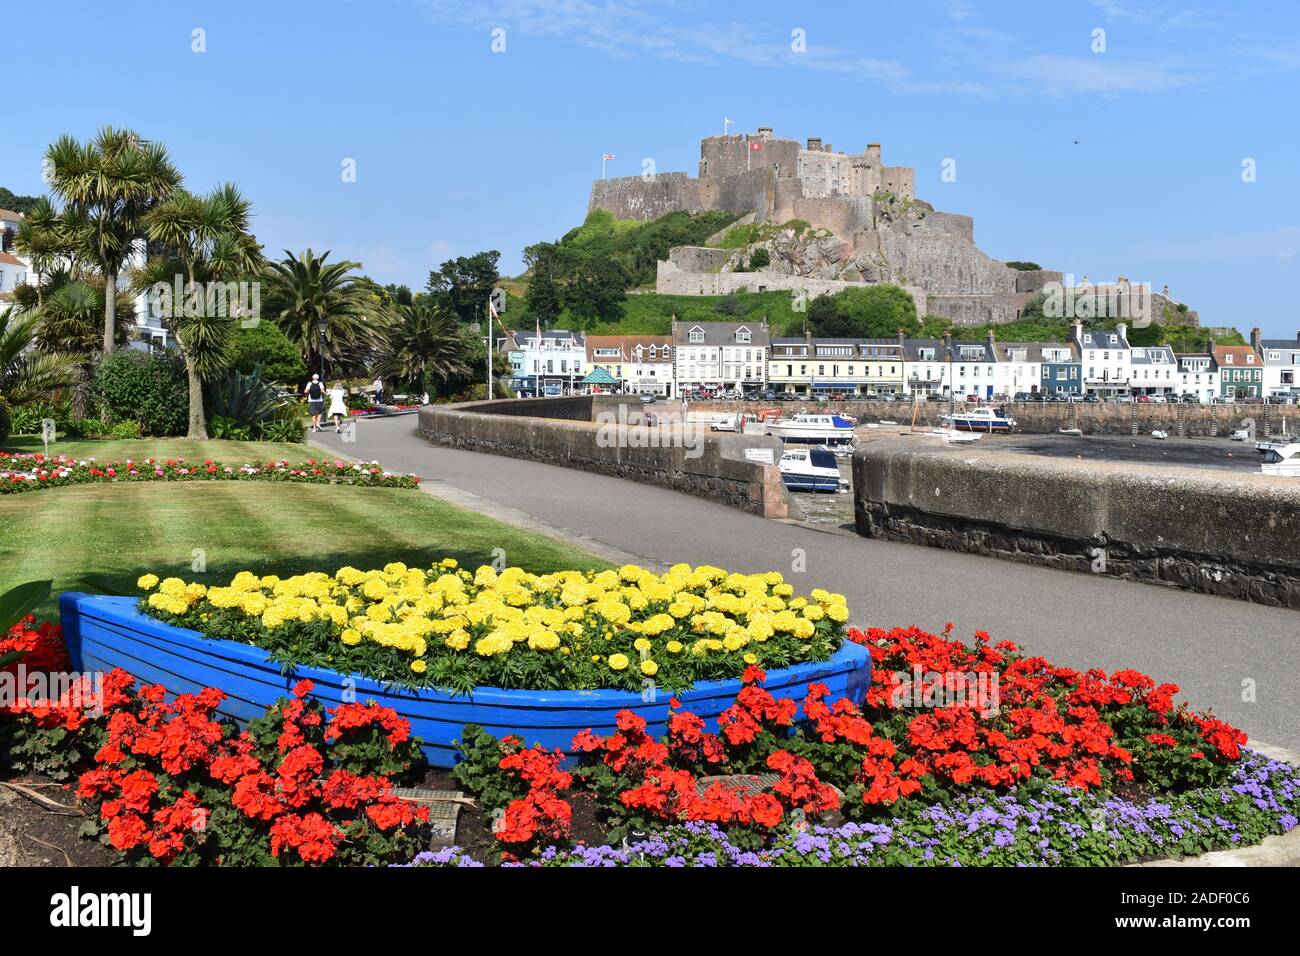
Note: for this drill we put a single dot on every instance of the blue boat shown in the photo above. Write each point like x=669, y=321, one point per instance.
x=809, y=429
x=107, y=632
x=980, y=420
x=810, y=469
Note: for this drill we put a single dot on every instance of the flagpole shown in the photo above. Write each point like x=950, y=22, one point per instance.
x=489, y=349
x=602, y=165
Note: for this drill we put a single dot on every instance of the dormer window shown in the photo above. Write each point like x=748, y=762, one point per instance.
x=696, y=335
x=1227, y=360
x=1114, y=339
x=742, y=335
x=1250, y=358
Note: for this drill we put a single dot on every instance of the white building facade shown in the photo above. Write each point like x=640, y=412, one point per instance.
x=720, y=356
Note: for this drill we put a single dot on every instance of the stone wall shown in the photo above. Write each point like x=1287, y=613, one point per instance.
x=1230, y=535
x=1046, y=418
x=565, y=432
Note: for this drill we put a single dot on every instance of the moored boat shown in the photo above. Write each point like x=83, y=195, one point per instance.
x=810, y=469
x=813, y=429
x=980, y=420
x=1282, y=460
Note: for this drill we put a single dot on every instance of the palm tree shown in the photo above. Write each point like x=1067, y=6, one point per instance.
x=207, y=239
x=421, y=343
x=305, y=290
x=26, y=373
x=41, y=237
x=108, y=186
x=70, y=315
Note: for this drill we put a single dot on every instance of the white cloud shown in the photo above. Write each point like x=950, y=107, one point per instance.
x=1058, y=75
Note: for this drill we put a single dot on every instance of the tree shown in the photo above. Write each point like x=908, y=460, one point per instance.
x=70, y=317
x=464, y=284
x=544, y=300
x=422, y=346
x=27, y=373
x=597, y=288
x=22, y=204
x=302, y=290
x=760, y=259
x=109, y=185
x=265, y=346
x=208, y=239
x=875, y=311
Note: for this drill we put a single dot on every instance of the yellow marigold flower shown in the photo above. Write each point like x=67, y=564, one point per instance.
x=350, y=636
x=641, y=644
x=838, y=613
x=146, y=582
x=675, y=647
x=544, y=641
x=649, y=668
x=814, y=612
x=804, y=628
x=618, y=662
x=449, y=563
x=750, y=658
x=419, y=666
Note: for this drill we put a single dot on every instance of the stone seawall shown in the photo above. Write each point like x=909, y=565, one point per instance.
x=1231, y=535
x=619, y=443
x=1045, y=418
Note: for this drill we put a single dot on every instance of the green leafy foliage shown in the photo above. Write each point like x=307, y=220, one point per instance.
x=244, y=401
x=6, y=422
x=264, y=345
x=147, y=388
x=877, y=311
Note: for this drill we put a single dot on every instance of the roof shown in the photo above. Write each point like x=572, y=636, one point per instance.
x=1033, y=350
x=1289, y=350
x=720, y=333
x=1101, y=339
x=1152, y=355
x=521, y=336
x=599, y=376
x=628, y=344
x=1236, y=356
x=11, y=260
x=1185, y=357
x=10, y=215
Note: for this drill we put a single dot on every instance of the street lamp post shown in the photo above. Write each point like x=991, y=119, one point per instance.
x=322, y=324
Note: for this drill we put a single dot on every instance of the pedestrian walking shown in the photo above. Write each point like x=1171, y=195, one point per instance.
x=315, y=392
x=338, y=406
x=379, y=390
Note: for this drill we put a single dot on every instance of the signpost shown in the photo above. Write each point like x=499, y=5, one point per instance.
x=47, y=434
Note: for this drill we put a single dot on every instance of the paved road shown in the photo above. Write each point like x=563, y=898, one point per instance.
x=1212, y=647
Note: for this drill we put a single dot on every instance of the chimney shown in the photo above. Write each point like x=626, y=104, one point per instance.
x=814, y=144
x=947, y=340
x=1256, y=338
x=902, y=338
x=1121, y=329
x=1165, y=293
x=1076, y=330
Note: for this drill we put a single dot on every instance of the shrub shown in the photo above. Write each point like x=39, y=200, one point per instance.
x=27, y=418
x=264, y=345
x=760, y=259
x=125, y=429
x=245, y=401
x=144, y=387
x=6, y=422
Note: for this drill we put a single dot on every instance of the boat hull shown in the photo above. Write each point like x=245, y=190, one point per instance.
x=825, y=484
x=103, y=633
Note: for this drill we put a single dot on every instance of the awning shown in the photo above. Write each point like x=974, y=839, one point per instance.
x=599, y=376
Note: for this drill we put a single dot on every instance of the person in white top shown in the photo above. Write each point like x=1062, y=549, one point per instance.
x=379, y=390
x=338, y=405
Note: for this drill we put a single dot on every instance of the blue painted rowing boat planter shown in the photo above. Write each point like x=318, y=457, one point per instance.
x=107, y=632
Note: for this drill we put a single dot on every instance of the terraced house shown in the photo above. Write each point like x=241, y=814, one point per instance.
x=720, y=355
x=1241, y=371
x=1281, y=363
x=549, y=363
x=1029, y=367
x=1153, y=370
x=1198, y=375
x=1105, y=358
x=827, y=366
x=640, y=364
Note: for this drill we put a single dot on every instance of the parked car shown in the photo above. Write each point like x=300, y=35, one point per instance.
x=1144, y=399
x=647, y=398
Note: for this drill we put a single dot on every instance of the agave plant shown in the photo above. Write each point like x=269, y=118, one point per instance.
x=242, y=399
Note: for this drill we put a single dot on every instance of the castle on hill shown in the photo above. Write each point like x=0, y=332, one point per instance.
x=864, y=225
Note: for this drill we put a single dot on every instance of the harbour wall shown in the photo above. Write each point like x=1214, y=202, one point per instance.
x=1101, y=418
x=1225, y=534
x=610, y=435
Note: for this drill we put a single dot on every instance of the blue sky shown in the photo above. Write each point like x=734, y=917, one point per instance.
x=1122, y=162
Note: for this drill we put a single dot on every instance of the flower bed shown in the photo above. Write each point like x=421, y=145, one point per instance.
x=456, y=630
x=25, y=472
x=108, y=632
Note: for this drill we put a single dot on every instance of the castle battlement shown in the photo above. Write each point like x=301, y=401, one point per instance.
x=755, y=172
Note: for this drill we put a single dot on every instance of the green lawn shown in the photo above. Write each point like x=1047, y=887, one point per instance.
x=123, y=530
x=104, y=449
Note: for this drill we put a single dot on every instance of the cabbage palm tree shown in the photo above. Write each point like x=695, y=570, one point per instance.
x=421, y=343
x=108, y=186
x=205, y=239
x=304, y=290
x=27, y=373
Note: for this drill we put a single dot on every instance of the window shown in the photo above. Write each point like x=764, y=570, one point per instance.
x=742, y=335
x=1227, y=360
x=696, y=335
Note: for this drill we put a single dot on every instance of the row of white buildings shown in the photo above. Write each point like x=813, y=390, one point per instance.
x=714, y=357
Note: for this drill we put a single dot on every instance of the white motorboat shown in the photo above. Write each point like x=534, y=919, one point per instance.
x=809, y=429
x=980, y=420
x=1282, y=461
x=811, y=469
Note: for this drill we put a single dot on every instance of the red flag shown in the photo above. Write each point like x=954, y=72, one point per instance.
x=756, y=147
